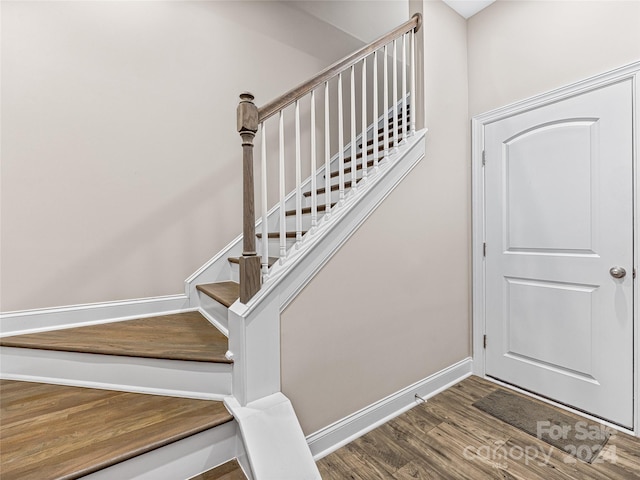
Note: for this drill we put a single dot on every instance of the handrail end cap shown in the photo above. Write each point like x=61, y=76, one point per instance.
x=418, y=17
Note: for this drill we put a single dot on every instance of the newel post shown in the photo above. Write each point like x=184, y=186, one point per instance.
x=250, y=261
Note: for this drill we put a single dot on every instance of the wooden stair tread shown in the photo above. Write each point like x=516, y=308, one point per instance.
x=307, y=210
x=58, y=432
x=227, y=471
x=390, y=130
x=390, y=127
x=277, y=234
x=359, y=155
x=399, y=115
x=358, y=167
x=333, y=188
x=381, y=138
x=236, y=260
x=224, y=292
x=181, y=336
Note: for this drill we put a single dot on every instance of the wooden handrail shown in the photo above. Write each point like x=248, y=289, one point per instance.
x=328, y=73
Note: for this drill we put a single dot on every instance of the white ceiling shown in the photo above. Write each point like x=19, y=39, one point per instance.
x=468, y=8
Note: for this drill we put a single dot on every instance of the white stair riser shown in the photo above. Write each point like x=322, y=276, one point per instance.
x=334, y=194
x=274, y=246
x=334, y=197
x=183, y=459
x=115, y=372
x=35, y=321
x=214, y=311
x=235, y=272
x=290, y=222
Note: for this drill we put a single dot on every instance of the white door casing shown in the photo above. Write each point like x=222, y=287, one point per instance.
x=554, y=205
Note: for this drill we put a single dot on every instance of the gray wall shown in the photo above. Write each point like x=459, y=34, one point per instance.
x=120, y=160
x=392, y=306
x=520, y=49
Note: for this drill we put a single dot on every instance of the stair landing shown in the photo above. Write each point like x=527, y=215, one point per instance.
x=57, y=432
x=224, y=292
x=182, y=336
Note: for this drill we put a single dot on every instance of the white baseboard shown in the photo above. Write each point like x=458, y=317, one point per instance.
x=330, y=438
x=214, y=311
x=33, y=321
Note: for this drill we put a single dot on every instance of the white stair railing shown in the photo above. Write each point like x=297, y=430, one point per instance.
x=362, y=128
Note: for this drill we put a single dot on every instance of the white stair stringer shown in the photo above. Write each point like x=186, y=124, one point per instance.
x=275, y=445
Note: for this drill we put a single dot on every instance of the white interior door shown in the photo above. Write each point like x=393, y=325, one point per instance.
x=559, y=217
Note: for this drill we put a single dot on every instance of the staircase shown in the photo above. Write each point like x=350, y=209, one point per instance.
x=228, y=291
x=195, y=392
x=53, y=431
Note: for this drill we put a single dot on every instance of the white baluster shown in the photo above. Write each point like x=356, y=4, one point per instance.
x=395, y=95
x=265, y=227
x=283, y=239
x=354, y=162
x=298, y=178
x=340, y=141
x=374, y=133
x=412, y=97
x=405, y=126
x=385, y=120
x=314, y=194
x=327, y=152
x=363, y=138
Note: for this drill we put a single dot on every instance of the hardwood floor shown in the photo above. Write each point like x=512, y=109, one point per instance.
x=181, y=336
x=447, y=438
x=54, y=432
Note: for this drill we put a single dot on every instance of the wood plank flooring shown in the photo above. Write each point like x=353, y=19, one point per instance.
x=449, y=439
x=53, y=432
x=227, y=471
x=182, y=336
